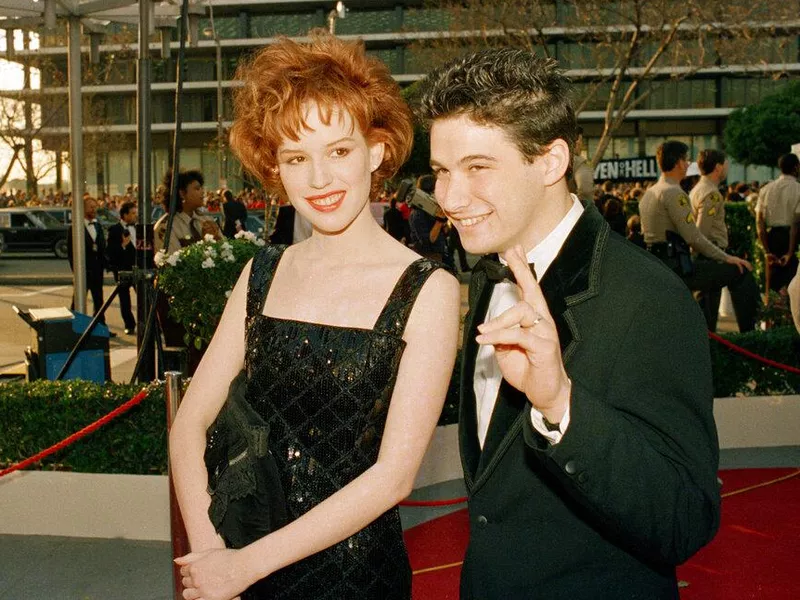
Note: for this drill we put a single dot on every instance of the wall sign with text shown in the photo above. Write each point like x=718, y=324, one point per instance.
x=626, y=169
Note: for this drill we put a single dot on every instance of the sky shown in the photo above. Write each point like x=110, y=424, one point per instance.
x=11, y=79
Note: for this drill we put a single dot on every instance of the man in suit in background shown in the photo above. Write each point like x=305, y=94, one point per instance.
x=95, y=254
x=586, y=427
x=122, y=257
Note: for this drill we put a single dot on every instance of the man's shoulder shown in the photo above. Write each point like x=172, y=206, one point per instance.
x=640, y=273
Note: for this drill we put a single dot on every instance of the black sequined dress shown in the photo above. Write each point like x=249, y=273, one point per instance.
x=325, y=392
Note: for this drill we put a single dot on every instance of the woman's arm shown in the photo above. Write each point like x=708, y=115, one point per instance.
x=204, y=398
x=431, y=337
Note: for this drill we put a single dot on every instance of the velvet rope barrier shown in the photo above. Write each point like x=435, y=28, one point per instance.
x=749, y=354
x=449, y=502
x=78, y=435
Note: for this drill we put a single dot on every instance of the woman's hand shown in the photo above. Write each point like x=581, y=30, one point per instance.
x=215, y=574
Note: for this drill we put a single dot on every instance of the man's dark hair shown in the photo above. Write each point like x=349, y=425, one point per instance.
x=669, y=153
x=788, y=164
x=513, y=89
x=184, y=179
x=708, y=160
x=427, y=183
x=126, y=208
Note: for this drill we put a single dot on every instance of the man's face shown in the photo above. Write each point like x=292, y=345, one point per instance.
x=90, y=208
x=193, y=197
x=486, y=187
x=682, y=167
x=131, y=217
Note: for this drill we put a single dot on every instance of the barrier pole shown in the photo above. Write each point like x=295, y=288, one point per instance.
x=180, y=542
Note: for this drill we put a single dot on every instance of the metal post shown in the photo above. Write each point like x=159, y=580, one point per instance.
x=76, y=163
x=180, y=543
x=144, y=152
x=220, y=106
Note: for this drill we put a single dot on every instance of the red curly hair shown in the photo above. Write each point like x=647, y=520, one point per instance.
x=282, y=78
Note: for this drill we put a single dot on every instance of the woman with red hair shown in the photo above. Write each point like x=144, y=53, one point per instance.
x=347, y=340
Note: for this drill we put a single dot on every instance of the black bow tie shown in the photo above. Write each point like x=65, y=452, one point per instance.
x=497, y=271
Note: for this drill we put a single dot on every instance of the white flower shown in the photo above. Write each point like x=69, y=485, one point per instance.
x=209, y=251
x=228, y=257
x=159, y=258
x=226, y=247
x=174, y=259
x=208, y=237
x=246, y=235
x=228, y=293
x=208, y=263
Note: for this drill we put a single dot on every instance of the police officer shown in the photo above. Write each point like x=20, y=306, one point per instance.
x=669, y=229
x=708, y=208
x=777, y=211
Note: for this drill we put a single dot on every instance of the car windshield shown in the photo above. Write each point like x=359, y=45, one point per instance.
x=45, y=219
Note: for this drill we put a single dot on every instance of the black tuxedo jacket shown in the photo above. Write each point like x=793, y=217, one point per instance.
x=233, y=211
x=95, y=250
x=119, y=258
x=630, y=491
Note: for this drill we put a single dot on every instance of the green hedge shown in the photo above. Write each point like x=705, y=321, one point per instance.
x=37, y=415
x=736, y=375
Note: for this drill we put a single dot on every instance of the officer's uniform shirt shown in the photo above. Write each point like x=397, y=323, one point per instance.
x=185, y=230
x=666, y=207
x=708, y=207
x=779, y=201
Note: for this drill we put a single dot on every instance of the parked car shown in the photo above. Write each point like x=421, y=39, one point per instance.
x=105, y=216
x=31, y=228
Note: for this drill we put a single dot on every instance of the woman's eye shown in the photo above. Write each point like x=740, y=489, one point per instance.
x=476, y=167
x=295, y=160
x=341, y=152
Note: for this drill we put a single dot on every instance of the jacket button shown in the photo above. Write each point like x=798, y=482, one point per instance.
x=582, y=477
x=570, y=467
x=482, y=521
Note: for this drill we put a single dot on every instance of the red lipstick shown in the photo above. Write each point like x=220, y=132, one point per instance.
x=319, y=202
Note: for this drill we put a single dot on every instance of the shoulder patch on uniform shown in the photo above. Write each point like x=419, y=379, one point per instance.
x=683, y=200
x=690, y=218
x=712, y=211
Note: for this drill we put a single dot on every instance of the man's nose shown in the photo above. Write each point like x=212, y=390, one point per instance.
x=451, y=194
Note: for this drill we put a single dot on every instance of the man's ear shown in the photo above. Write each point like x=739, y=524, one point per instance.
x=557, y=160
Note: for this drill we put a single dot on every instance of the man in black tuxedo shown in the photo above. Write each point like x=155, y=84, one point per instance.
x=122, y=257
x=95, y=253
x=586, y=428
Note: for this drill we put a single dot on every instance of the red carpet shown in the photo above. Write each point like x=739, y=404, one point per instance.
x=753, y=557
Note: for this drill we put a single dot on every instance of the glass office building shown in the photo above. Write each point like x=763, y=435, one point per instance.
x=692, y=109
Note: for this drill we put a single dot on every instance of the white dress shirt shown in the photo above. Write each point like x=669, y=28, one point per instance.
x=91, y=227
x=130, y=229
x=488, y=377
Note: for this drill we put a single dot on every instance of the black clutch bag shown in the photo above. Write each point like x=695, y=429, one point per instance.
x=247, y=500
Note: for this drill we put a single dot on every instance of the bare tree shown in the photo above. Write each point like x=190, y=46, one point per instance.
x=617, y=52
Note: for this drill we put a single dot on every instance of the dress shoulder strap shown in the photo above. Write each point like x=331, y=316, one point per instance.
x=261, y=273
x=394, y=316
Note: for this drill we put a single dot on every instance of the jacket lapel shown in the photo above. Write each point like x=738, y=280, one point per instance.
x=480, y=291
x=571, y=279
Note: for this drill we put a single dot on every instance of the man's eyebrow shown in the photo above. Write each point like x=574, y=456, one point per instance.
x=468, y=158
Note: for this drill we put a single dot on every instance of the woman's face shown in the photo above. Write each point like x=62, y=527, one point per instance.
x=327, y=172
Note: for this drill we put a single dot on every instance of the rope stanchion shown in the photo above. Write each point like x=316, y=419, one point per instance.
x=78, y=435
x=748, y=354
